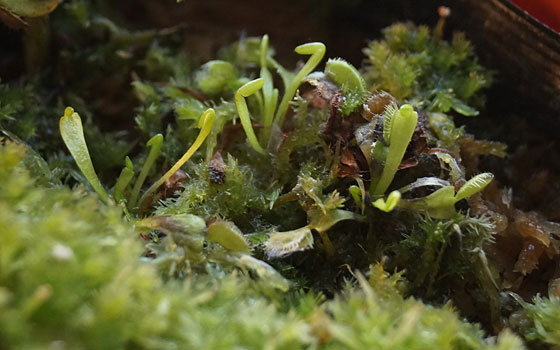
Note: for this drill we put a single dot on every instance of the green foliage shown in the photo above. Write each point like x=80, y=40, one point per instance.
x=350, y=80
x=376, y=316
x=543, y=320
x=234, y=197
x=216, y=78
x=439, y=76
x=443, y=250
x=72, y=133
x=400, y=126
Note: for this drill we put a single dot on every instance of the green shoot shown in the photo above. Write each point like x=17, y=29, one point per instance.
x=358, y=193
x=317, y=51
x=402, y=129
x=388, y=205
x=72, y=133
x=345, y=75
x=270, y=94
x=228, y=236
x=205, y=124
x=155, y=144
x=441, y=203
x=351, y=82
x=124, y=179
x=245, y=91
x=473, y=186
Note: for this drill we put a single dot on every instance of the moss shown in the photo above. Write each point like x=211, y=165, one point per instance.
x=203, y=251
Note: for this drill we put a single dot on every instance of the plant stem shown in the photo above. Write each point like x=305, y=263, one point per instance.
x=155, y=143
x=205, y=124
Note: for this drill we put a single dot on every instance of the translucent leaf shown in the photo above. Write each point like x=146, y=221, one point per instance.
x=72, y=133
x=228, y=236
x=264, y=271
x=474, y=185
x=391, y=203
x=284, y=243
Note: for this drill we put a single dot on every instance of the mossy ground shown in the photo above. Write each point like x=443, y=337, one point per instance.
x=294, y=229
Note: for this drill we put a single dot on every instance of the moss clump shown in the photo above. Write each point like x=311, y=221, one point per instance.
x=294, y=180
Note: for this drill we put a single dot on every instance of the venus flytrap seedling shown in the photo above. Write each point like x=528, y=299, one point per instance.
x=317, y=51
x=127, y=173
x=205, y=123
x=270, y=94
x=269, y=97
x=72, y=133
x=388, y=205
x=441, y=203
x=400, y=130
x=155, y=144
x=351, y=82
x=243, y=92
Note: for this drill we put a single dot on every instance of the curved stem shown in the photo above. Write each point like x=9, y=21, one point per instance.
x=124, y=179
x=155, y=143
x=205, y=124
x=243, y=92
x=317, y=51
x=403, y=127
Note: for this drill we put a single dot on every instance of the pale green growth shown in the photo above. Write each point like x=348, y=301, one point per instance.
x=247, y=90
x=317, y=51
x=441, y=203
x=284, y=243
x=358, y=193
x=402, y=129
x=262, y=270
x=155, y=144
x=270, y=94
x=473, y=186
x=215, y=77
x=72, y=133
x=345, y=75
x=388, y=205
x=228, y=236
x=126, y=175
x=205, y=124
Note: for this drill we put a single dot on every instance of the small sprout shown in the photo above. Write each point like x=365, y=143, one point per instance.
x=270, y=94
x=358, y=193
x=228, y=236
x=155, y=144
x=441, y=203
x=317, y=51
x=402, y=128
x=473, y=186
x=284, y=243
x=245, y=91
x=391, y=203
x=205, y=124
x=350, y=80
x=72, y=133
x=124, y=179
